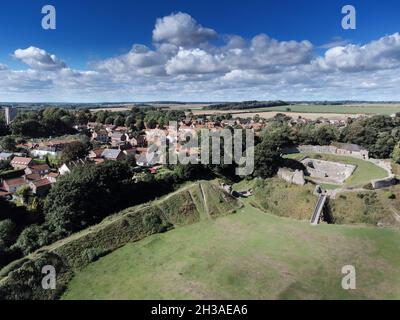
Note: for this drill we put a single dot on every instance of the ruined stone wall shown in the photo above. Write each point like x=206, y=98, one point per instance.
x=384, y=183
x=317, y=149
x=296, y=177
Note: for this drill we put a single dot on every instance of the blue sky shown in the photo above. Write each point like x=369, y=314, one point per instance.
x=94, y=57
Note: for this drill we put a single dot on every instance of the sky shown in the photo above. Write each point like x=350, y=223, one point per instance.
x=192, y=50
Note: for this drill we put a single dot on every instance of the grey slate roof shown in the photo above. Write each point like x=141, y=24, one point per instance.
x=111, y=153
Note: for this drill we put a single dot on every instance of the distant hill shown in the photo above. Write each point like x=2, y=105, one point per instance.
x=246, y=105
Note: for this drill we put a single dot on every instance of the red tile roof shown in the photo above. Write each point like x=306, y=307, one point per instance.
x=41, y=183
x=21, y=160
x=39, y=167
x=15, y=181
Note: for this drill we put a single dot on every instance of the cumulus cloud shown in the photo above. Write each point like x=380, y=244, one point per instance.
x=194, y=61
x=183, y=63
x=39, y=59
x=182, y=30
x=140, y=60
x=376, y=55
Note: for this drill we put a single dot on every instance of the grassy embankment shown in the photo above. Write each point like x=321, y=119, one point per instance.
x=193, y=203
x=248, y=255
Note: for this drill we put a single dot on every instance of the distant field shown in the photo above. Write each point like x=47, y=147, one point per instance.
x=247, y=255
x=307, y=111
x=189, y=106
x=363, y=174
x=387, y=109
x=312, y=111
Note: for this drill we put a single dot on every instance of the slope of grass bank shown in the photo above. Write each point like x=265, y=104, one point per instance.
x=196, y=202
x=375, y=207
x=248, y=255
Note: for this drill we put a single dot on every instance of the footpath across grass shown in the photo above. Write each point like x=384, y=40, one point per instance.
x=247, y=255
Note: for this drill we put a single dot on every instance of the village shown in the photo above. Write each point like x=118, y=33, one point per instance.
x=31, y=168
x=114, y=143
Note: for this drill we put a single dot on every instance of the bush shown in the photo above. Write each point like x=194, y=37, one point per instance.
x=155, y=224
x=93, y=254
x=391, y=196
x=32, y=238
x=7, y=232
x=368, y=186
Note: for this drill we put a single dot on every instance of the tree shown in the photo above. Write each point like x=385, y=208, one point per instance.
x=119, y=121
x=24, y=192
x=3, y=128
x=109, y=120
x=88, y=194
x=82, y=117
x=7, y=232
x=267, y=159
x=188, y=171
x=32, y=238
x=325, y=134
x=139, y=124
x=130, y=121
x=396, y=153
x=73, y=151
x=377, y=134
x=8, y=143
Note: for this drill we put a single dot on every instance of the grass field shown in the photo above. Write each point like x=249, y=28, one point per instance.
x=363, y=174
x=247, y=255
x=387, y=109
x=312, y=112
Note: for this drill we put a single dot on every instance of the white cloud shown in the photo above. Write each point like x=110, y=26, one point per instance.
x=183, y=64
x=182, y=30
x=140, y=60
x=195, y=61
x=380, y=54
x=39, y=59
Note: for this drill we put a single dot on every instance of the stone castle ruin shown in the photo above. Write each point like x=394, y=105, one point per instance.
x=328, y=171
x=295, y=177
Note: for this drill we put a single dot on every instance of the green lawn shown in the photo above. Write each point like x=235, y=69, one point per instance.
x=363, y=174
x=247, y=255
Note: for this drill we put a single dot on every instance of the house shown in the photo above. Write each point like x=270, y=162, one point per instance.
x=67, y=167
x=40, y=169
x=42, y=152
x=95, y=153
x=352, y=149
x=32, y=177
x=40, y=187
x=131, y=151
x=52, y=177
x=119, y=139
x=121, y=129
x=20, y=163
x=59, y=145
x=145, y=159
x=100, y=135
x=112, y=154
x=141, y=141
x=5, y=156
x=12, y=185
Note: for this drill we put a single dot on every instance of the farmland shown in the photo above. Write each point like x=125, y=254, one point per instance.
x=312, y=111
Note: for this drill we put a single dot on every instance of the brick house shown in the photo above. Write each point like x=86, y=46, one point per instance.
x=40, y=187
x=12, y=185
x=20, y=163
x=40, y=169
